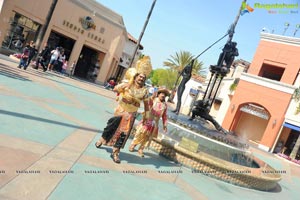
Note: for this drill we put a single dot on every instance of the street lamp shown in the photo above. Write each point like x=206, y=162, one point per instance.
x=297, y=28
x=286, y=25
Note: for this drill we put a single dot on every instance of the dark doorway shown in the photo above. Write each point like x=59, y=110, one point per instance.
x=290, y=143
x=119, y=73
x=86, y=62
x=59, y=40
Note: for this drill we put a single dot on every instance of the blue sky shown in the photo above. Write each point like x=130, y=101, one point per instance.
x=193, y=25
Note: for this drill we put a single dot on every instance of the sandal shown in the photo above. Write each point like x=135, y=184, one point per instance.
x=131, y=147
x=99, y=143
x=141, y=153
x=115, y=156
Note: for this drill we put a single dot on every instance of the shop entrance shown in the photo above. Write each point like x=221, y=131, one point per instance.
x=59, y=40
x=86, y=63
x=290, y=143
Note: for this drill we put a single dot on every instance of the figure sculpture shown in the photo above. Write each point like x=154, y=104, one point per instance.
x=228, y=54
x=202, y=109
x=186, y=74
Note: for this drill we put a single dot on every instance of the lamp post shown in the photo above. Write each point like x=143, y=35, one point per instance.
x=297, y=28
x=286, y=26
x=142, y=33
x=44, y=28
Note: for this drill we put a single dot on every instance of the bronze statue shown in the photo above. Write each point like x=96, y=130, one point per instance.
x=202, y=109
x=186, y=74
x=229, y=53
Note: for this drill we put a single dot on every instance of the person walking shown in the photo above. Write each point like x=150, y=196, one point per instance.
x=54, y=57
x=131, y=94
x=147, y=129
x=32, y=52
x=43, y=58
x=24, y=57
x=60, y=61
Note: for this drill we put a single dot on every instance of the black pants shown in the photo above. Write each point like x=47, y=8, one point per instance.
x=42, y=62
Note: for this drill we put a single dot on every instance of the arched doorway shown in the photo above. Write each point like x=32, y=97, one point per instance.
x=252, y=121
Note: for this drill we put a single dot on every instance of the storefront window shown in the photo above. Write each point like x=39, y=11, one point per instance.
x=21, y=30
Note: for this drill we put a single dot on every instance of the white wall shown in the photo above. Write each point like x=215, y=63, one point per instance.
x=186, y=98
x=127, y=53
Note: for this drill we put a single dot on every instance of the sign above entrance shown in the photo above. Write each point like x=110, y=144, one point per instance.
x=87, y=23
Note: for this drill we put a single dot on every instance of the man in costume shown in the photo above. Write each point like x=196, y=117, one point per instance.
x=148, y=127
x=130, y=96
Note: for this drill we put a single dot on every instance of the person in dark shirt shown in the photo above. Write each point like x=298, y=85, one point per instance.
x=32, y=52
x=43, y=58
x=24, y=57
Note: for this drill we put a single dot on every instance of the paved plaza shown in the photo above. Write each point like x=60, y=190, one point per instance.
x=49, y=124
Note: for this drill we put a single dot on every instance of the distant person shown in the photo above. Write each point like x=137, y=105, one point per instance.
x=97, y=65
x=54, y=57
x=110, y=84
x=43, y=58
x=64, y=67
x=24, y=57
x=32, y=52
x=60, y=61
x=19, y=42
x=95, y=72
x=151, y=90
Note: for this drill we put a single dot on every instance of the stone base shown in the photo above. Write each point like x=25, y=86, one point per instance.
x=263, y=178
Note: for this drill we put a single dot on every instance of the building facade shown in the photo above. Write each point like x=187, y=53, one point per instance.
x=261, y=108
x=127, y=56
x=91, y=34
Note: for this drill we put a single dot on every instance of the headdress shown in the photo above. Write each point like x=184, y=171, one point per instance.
x=144, y=66
x=129, y=74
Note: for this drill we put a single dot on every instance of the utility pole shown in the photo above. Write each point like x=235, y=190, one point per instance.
x=44, y=27
x=142, y=33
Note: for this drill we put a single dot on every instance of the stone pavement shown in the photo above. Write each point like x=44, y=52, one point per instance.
x=48, y=126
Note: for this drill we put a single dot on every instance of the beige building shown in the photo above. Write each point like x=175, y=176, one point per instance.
x=89, y=32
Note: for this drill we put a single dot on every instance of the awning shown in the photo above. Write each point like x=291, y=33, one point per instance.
x=291, y=126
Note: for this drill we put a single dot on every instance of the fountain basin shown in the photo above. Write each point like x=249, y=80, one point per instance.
x=263, y=177
x=224, y=157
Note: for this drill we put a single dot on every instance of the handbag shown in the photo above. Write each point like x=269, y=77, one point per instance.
x=24, y=56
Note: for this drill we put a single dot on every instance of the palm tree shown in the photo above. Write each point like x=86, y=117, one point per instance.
x=296, y=97
x=178, y=61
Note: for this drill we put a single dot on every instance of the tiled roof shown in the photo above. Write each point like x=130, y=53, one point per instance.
x=131, y=38
x=198, y=78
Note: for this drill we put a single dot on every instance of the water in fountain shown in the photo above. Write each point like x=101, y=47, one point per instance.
x=227, y=147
